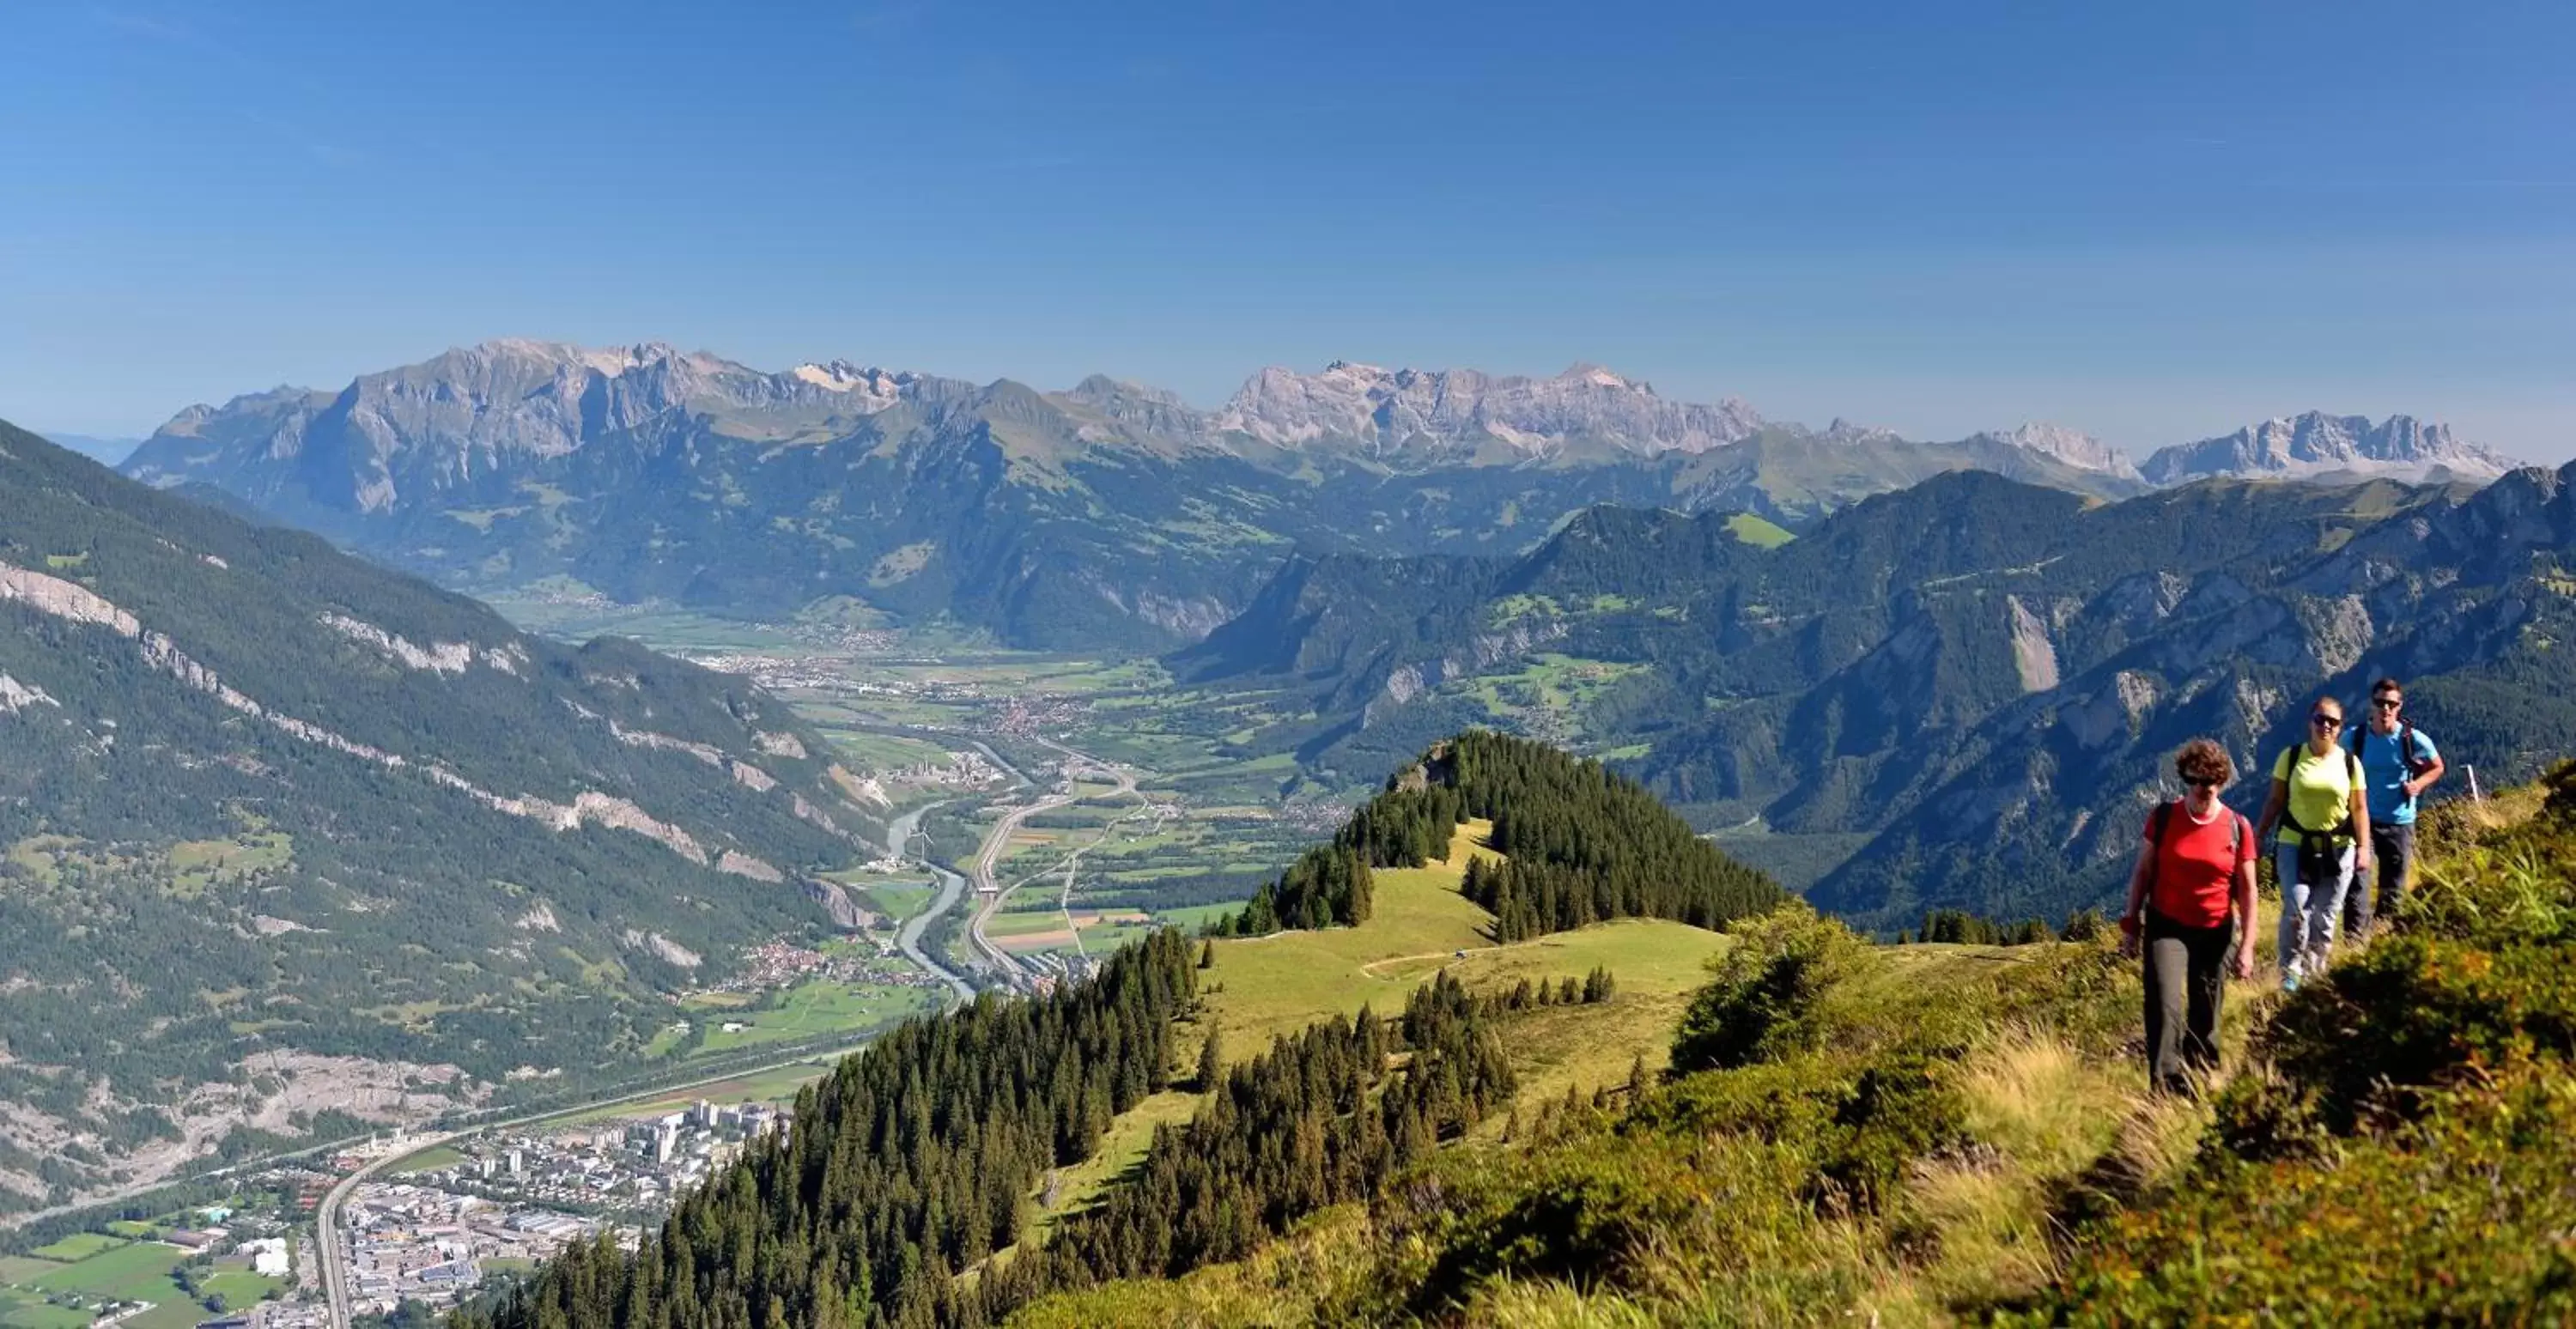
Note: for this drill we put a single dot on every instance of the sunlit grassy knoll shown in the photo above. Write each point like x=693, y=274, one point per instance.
x=1263, y=987
x=1758, y=531
x=1268, y=986
x=1068, y=1189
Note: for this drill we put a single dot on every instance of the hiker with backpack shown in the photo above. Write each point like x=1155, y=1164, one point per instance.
x=2191, y=907
x=2318, y=800
x=2399, y=763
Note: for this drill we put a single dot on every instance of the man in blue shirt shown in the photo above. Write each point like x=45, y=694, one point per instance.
x=2398, y=763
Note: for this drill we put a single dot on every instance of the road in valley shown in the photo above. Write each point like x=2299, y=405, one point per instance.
x=991, y=893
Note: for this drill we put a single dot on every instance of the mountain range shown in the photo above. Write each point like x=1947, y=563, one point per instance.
x=1107, y=516
x=1962, y=694
x=285, y=835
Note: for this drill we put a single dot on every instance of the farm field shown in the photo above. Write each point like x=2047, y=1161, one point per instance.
x=811, y=1010
x=49, y=1293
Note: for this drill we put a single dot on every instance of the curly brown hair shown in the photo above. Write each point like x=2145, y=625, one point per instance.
x=2203, y=759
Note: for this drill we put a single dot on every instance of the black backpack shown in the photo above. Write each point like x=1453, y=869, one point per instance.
x=2405, y=744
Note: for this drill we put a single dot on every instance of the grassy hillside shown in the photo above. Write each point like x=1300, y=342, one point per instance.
x=1263, y=987
x=1942, y=1134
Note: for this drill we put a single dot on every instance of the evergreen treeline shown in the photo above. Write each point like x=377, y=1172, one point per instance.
x=906, y=1165
x=1407, y=826
x=1328, y=884
x=1958, y=925
x=1581, y=845
x=1318, y=1120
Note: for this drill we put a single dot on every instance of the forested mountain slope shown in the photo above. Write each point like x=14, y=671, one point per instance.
x=984, y=1158
x=280, y=830
x=1965, y=690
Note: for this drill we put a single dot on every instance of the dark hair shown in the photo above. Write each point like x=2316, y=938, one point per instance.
x=2203, y=759
x=2387, y=685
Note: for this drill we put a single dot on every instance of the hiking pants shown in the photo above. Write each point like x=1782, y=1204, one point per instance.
x=2309, y=910
x=2186, y=977
x=2392, y=860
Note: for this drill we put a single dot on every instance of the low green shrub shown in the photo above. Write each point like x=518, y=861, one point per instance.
x=2465, y=1216
x=2414, y=1013
x=1783, y=987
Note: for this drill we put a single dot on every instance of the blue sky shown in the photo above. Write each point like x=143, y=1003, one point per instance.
x=2154, y=222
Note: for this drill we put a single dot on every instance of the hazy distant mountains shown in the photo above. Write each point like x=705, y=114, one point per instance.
x=2320, y=445
x=105, y=451
x=1111, y=515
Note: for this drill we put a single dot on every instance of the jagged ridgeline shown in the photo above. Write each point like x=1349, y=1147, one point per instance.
x=1581, y=845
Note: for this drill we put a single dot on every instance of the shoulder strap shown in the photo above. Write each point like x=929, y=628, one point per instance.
x=2235, y=837
x=2156, y=824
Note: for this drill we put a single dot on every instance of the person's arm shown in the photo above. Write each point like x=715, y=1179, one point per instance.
x=2433, y=768
x=2246, y=904
x=2272, y=805
x=2131, y=916
x=2360, y=830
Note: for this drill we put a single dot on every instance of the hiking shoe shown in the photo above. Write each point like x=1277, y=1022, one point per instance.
x=2290, y=981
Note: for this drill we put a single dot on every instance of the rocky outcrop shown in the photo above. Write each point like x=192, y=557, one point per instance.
x=16, y=696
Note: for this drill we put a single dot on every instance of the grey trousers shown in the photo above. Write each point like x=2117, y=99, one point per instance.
x=2186, y=972
x=2309, y=911
x=2392, y=861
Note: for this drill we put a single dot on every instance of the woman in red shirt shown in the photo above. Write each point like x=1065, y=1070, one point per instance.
x=2191, y=897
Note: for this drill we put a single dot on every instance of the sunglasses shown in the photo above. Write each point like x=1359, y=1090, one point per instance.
x=2325, y=721
x=2202, y=784
x=2388, y=703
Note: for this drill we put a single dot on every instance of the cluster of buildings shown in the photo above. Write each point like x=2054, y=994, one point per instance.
x=627, y=1170
x=425, y=1243
x=780, y=964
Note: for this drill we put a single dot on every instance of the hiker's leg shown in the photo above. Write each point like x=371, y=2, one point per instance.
x=2168, y=975
x=2325, y=905
x=2358, y=915
x=2209, y=950
x=2392, y=848
x=2293, y=939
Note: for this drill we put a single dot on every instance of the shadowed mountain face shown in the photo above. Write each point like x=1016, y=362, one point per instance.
x=1975, y=684
x=250, y=783
x=1108, y=516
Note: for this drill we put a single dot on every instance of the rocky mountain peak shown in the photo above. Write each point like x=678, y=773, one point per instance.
x=2071, y=446
x=2317, y=444
x=1380, y=410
